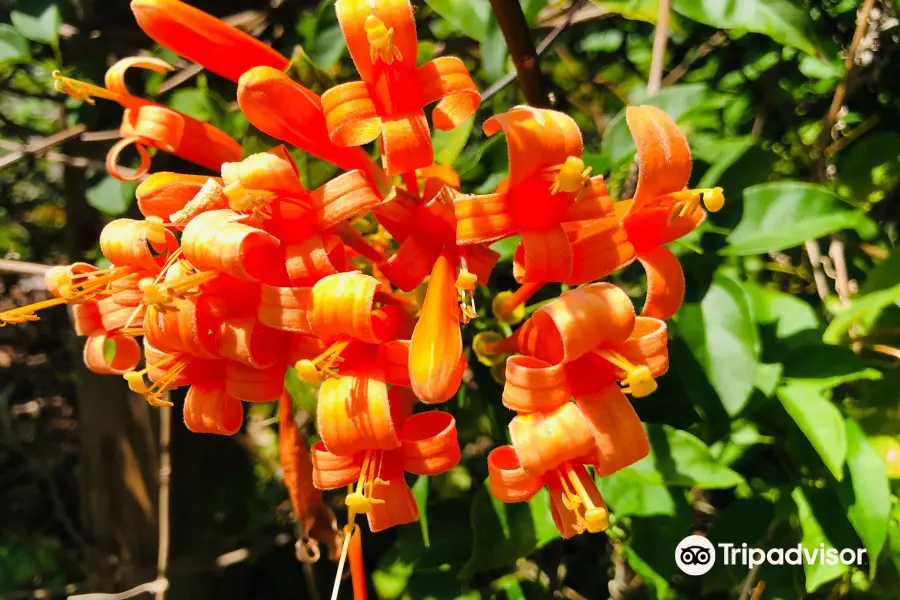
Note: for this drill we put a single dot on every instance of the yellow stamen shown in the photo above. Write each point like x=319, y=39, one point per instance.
x=687, y=201
x=256, y=202
x=465, y=286
x=570, y=177
x=360, y=500
x=321, y=367
x=350, y=529
x=639, y=379
x=24, y=314
x=381, y=41
x=84, y=286
x=127, y=329
x=173, y=366
x=589, y=516
x=162, y=295
x=79, y=90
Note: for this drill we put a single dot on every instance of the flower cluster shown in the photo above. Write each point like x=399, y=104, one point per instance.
x=232, y=279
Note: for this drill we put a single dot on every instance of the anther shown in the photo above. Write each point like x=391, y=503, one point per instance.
x=465, y=286
x=638, y=380
x=570, y=177
x=381, y=41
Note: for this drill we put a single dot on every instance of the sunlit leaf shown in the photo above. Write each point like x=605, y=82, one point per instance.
x=448, y=145
x=38, y=20
x=819, y=420
x=13, y=46
x=111, y=196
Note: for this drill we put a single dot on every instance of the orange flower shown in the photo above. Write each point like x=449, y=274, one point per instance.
x=164, y=194
x=147, y=124
x=389, y=101
x=265, y=92
x=577, y=346
x=369, y=440
x=203, y=39
x=548, y=186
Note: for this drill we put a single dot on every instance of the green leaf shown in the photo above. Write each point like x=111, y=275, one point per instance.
x=634, y=10
x=506, y=247
x=469, y=18
x=866, y=493
x=448, y=145
x=863, y=311
x=786, y=213
x=504, y=532
x=420, y=493
x=720, y=154
x=682, y=459
x=13, y=46
x=827, y=366
x=328, y=47
x=819, y=420
x=781, y=20
x=602, y=41
x=654, y=580
x=38, y=20
x=111, y=196
x=303, y=394
x=638, y=490
x=722, y=336
x=109, y=350
x=494, y=51
x=813, y=536
x=305, y=71
x=201, y=103
x=789, y=314
x=677, y=100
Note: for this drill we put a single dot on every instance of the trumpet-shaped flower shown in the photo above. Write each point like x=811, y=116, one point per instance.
x=203, y=39
x=148, y=124
x=389, y=101
x=548, y=186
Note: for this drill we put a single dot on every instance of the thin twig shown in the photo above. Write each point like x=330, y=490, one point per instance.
x=22, y=268
x=854, y=135
x=749, y=583
x=180, y=77
x=521, y=47
x=151, y=587
x=840, y=92
x=541, y=48
x=660, y=40
x=165, y=476
x=41, y=145
x=716, y=40
x=815, y=261
x=104, y=135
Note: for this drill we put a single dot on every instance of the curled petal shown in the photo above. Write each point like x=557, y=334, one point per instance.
x=285, y=308
x=393, y=322
x=252, y=343
x=647, y=345
x=406, y=145
x=410, y=264
x=205, y=371
x=86, y=319
x=429, y=444
x=254, y=385
x=481, y=260
x=355, y=414
x=543, y=256
x=578, y=322
x=342, y=306
x=189, y=329
x=398, y=506
x=396, y=15
x=537, y=138
x=304, y=346
x=482, y=219
x=342, y=198
x=436, y=354
x=663, y=155
x=220, y=240
x=436, y=177
x=313, y=258
x=137, y=243
x=545, y=440
x=350, y=114
x=393, y=359
x=599, y=248
x=508, y=480
x=209, y=409
x=203, y=39
x=114, y=316
x=162, y=194
x=653, y=226
x=55, y=277
x=265, y=171
x=534, y=385
x=332, y=471
x=618, y=432
x=114, y=79
x=395, y=213
x=447, y=79
x=112, y=159
x=111, y=355
x=303, y=125
x=665, y=283
x=154, y=125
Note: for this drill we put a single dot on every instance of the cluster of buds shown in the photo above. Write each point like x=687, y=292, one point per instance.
x=232, y=279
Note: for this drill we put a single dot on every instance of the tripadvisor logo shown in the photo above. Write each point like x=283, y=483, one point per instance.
x=696, y=555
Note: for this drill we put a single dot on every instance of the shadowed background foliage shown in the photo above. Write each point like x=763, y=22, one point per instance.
x=778, y=422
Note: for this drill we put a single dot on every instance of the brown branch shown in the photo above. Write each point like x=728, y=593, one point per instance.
x=521, y=48
x=22, y=268
x=815, y=261
x=165, y=476
x=41, y=145
x=660, y=40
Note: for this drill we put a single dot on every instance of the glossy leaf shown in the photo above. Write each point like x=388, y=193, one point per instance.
x=722, y=336
x=111, y=196
x=866, y=493
x=38, y=20
x=814, y=534
x=863, y=311
x=448, y=145
x=13, y=46
x=819, y=420
x=638, y=490
x=786, y=213
x=420, y=493
x=682, y=459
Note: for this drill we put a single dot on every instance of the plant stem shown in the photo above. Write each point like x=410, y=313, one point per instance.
x=660, y=39
x=521, y=47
